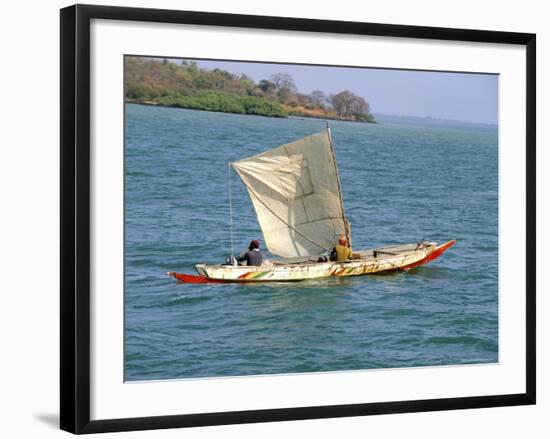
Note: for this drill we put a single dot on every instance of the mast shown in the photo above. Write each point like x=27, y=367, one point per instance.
x=347, y=231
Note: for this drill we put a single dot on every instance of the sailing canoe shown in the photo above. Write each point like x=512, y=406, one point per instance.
x=296, y=192
x=376, y=261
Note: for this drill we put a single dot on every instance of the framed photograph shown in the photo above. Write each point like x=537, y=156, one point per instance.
x=272, y=218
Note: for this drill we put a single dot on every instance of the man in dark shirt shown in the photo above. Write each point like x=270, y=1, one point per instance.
x=253, y=256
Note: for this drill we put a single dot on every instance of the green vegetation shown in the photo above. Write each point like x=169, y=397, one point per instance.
x=222, y=101
x=185, y=85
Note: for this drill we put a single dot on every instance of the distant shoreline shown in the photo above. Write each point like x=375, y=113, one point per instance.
x=382, y=119
x=432, y=119
x=289, y=116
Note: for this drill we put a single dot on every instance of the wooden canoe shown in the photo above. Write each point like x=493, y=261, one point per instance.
x=376, y=261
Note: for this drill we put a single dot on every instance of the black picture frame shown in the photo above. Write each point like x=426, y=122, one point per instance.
x=75, y=217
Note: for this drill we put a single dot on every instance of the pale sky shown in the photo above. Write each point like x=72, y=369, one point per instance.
x=457, y=96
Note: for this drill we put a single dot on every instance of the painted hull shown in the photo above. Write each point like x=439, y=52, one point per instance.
x=382, y=260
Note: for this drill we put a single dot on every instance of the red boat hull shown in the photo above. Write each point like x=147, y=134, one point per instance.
x=431, y=257
x=193, y=278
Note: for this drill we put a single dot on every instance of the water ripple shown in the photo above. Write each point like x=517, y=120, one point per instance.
x=401, y=182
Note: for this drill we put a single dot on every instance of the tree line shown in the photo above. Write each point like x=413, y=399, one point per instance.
x=184, y=84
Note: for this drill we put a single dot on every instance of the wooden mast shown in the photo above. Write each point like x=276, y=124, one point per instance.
x=347, y=230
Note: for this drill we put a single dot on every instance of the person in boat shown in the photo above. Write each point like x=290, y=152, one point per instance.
x=342, y=251
x=253, y=256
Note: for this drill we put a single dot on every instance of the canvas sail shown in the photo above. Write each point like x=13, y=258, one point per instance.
x=295, y=190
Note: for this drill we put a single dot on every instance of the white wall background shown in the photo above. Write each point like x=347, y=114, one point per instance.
x=29, y=206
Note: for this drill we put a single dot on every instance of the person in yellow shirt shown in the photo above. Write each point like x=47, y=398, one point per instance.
x=342, y=251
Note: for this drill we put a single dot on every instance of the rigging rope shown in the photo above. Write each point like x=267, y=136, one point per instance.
x=230, y=208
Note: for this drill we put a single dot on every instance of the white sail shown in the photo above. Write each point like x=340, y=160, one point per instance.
x=295, y=190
